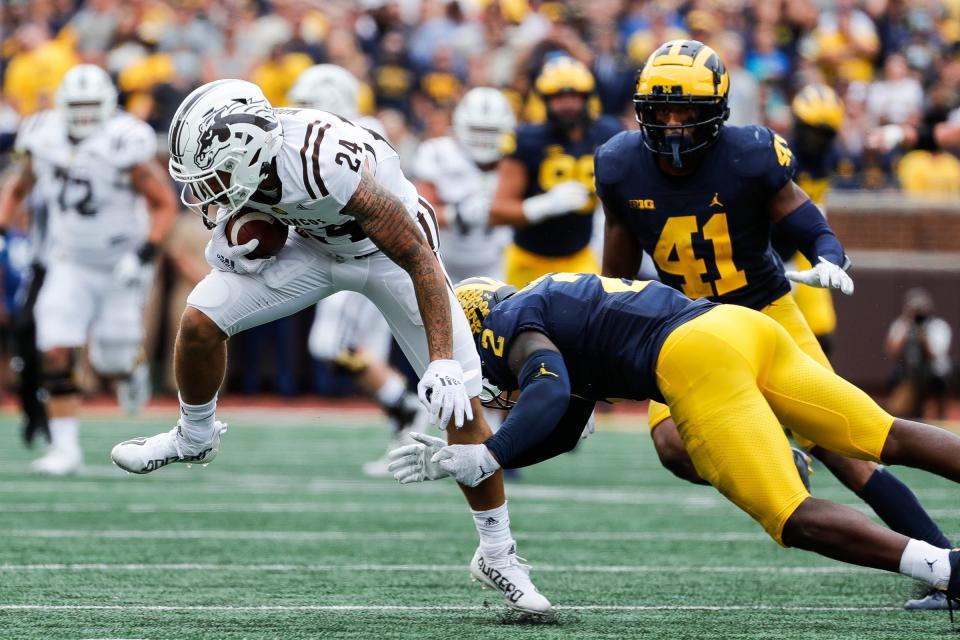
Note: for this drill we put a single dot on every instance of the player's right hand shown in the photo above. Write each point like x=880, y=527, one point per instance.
x=562, y=198
x=414, y=463
x=442, y=392
x=222, y=256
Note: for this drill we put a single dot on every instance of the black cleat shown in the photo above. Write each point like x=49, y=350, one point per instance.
x=953, y=585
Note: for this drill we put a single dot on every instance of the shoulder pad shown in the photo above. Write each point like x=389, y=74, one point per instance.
x=31, y=129
x=613, y=157
x=132, y=141
x=750, y=147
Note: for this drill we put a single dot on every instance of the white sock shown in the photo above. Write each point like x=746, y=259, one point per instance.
x=923, y=561
x=493, y=525
x=391, y=391
x=196, y=420
x=65, y=433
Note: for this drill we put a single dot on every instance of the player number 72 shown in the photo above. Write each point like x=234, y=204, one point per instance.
x=674, y=254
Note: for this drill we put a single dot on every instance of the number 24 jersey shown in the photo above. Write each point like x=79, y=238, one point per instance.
x=708, y=233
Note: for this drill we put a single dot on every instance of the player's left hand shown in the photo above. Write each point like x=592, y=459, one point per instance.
x=413, y=462
x=824, y=275
x=469, y=464
x=131, y=272
x=442, y=392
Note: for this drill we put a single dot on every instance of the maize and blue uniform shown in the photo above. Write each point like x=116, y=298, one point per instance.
x=729, y=375
x=560, y=243
x=709, y=233
x=816, y=305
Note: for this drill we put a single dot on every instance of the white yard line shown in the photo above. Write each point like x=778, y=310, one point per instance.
x=424, y=608
x=311, y=536
x=425, y=568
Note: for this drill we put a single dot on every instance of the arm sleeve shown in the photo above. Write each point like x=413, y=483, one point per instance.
x=544, y=397
x=564, y=438
x=807, y=229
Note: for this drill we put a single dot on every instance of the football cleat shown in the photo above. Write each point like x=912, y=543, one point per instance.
x=143, y=455
x=511, y=577
x=952, y=592
x=804, y=465
x=58, y=462
x=134, y=392
x=932, y=600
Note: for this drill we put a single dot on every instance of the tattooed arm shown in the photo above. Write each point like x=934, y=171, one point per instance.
x=385, y=221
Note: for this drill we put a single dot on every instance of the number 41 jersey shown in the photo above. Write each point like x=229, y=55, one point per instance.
x=95, y=216
x=708, y=233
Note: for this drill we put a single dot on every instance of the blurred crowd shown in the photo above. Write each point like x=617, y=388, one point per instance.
x=891, y=61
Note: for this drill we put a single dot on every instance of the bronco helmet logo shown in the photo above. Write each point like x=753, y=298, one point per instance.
x=215, y=129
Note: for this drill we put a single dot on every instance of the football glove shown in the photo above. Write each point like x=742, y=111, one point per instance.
x=469, y=464
x=442, y=392
x=825, y=275
x=222, y=256
x=413, y=462
x=471, y=213
x=563, y=198
x=131, y=272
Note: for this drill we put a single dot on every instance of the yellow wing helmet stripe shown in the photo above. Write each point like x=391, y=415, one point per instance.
x=564, y=74
x=684, y=68
x=818, y=105
x=475, y=296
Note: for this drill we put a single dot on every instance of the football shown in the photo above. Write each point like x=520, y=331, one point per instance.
x=247, y=224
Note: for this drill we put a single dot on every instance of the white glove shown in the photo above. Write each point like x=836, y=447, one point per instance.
x=472, y=213
x=221, y=256
x=469, y=464
x=412, y=463
x=563, y=198
x=131, y=272
x=824, y=275
x=442, y=392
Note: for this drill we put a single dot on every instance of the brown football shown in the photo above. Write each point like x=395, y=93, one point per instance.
x=247, y=224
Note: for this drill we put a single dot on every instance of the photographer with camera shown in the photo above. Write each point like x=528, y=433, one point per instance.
x=919, y=342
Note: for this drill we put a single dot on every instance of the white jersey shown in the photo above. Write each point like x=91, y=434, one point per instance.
x=94, y=214
x=467, y=251
x=319, y=165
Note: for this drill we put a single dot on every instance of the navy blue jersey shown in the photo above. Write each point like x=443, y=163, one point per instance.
x=608, y=330
x=550, y=159
x=708, y=233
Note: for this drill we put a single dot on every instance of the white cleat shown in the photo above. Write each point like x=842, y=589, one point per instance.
x=134, y=392
x=143, y=455
x=511, y=577
x=58, y=462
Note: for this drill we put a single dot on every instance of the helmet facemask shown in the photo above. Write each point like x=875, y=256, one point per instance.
x=681, y=143
x=87, y=99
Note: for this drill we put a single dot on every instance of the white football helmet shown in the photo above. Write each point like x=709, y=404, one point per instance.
x=481, y=120
x=222, y=140
x=326, y=87
x=87, y=98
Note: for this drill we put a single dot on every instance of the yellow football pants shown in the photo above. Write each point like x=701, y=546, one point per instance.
x=816, y=304
x=785, y=311
x=731, y=377
x=521, y=266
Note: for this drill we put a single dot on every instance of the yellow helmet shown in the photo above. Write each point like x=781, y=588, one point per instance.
x=687, y=73
x=563, y=75
x=478, y=296
x=817, y=105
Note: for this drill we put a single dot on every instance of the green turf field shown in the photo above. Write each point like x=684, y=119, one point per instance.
x=282, y=537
